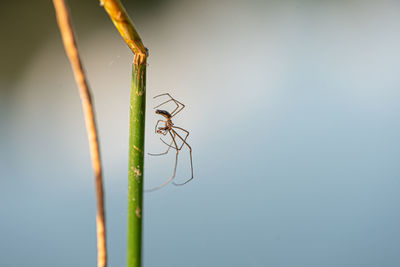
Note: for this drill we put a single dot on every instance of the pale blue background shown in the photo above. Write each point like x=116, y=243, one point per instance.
x=293, y=109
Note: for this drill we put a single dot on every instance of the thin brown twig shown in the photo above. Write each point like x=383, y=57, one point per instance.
x=84, y=91
x=125, y=26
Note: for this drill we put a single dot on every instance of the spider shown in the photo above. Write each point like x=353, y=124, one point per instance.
x=169, y=128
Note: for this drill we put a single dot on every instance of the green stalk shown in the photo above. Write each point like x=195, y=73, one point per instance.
x=126, y=29
x=136, y=162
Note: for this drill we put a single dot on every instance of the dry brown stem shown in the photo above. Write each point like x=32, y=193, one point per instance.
x=126, y=29
x=88, y=110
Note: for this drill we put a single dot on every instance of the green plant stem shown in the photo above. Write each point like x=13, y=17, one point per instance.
x=136, y=162
x=124, y=25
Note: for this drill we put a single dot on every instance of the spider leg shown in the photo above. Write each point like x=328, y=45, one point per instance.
x=155, y=129
x=169, y=145
x=173, y=173
x=165, y=102
x=182, y=107
x=171, y=99
x=191, y=162
x=187, y=134
x=163, y=153
x=161, y=95
x=173, y=113
x=159, y=154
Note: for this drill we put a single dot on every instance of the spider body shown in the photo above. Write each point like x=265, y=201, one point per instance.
x=164, y=113
x=170, y=129
x=168, y=123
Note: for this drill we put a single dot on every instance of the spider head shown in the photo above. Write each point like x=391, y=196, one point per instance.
x=162, y=130
x=164, y=113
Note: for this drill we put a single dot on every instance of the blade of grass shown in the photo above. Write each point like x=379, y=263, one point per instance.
x=125, y=27
x=88, y=110
x=136, y=160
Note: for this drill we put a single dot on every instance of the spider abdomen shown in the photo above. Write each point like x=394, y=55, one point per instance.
x=164, y=113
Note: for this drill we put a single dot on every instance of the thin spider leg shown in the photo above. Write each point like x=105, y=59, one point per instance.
x=187, y=134
x=173, y=113
x=167, y=144
x=173, y=173
x=159, y=154
x=155, y=129
x=161, y=95
x=177, y=106
x=191, y=162
x=172, y=99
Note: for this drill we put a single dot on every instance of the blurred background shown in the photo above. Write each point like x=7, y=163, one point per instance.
x=293, y=111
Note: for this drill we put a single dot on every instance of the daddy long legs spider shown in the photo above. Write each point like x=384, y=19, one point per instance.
x=170, y=128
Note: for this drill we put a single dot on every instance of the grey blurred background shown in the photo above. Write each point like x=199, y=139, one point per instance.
x=293, y=109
